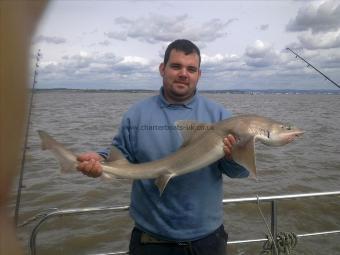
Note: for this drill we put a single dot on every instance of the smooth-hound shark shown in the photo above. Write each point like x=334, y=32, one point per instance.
x=202, y=145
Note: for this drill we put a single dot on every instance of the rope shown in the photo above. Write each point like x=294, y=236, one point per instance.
x=37, y=217
x=270, y=237
x=285, y=243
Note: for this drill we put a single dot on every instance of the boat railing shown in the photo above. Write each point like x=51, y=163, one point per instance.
x=270, y=199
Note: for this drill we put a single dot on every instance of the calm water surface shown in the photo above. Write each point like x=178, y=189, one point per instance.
x=88, y=121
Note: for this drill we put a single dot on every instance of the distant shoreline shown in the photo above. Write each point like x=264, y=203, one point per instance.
x=231, y=91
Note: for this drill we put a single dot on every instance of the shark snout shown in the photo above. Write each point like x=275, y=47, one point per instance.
x=298, y=133
x=294, y=134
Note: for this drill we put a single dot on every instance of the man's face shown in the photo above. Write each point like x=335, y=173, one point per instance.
x=180, y=76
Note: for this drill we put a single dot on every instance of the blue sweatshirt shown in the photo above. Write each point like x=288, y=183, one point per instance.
x=191, y=206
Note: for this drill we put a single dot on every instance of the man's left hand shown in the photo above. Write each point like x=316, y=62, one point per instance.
x=229, y=142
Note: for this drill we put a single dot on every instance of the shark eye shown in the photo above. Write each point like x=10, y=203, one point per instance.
x=286, y=127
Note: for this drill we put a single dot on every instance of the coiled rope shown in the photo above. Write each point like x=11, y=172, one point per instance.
x=285, y=243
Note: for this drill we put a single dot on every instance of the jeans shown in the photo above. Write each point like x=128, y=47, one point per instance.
x=213, y=244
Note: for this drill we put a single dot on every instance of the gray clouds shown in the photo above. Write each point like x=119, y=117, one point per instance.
x=120, y=45
x=321, y=41
x=264, y=27
x=259, y=61
x=49, y=39
x=94, y=68
x=159, y=28
x=318, y=25
x=261, y=55
x=322, y=18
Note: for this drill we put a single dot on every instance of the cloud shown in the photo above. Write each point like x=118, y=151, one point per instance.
x=264, y=27
x=122, y=36
x=104, y=43
x=332, y=61
x=261, y=55
x=220, y=71
x=310, y=41
x=158, y=28
x=257, y=50
x=261, y=66
x=49, y=39
x=317, y=18
x=87, y=67
x=220, y=63
x=321, y=41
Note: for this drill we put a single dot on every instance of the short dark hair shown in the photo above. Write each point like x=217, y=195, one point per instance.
x=183, y=45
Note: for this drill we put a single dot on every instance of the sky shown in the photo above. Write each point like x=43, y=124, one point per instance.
x=120, y=44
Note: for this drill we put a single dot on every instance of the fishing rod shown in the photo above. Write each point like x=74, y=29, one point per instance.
x=20, y=186
x=310, y=65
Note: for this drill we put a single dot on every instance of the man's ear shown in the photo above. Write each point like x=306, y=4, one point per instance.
x=161, y=69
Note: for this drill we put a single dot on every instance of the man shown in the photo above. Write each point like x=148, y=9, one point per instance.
x=188, y=217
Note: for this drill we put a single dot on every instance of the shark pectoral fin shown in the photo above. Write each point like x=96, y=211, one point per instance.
x=162, y=181
x=110, y=177
x=117, y=162
x=244, y=154
x=106, y=176
x=115, y=154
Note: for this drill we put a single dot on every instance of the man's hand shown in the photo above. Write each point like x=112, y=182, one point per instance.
x=229, y=142
x=90, y=164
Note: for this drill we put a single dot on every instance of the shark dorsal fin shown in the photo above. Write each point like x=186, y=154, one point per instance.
x=191, y=130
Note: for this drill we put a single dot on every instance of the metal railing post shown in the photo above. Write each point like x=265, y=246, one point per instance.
x=274, y=223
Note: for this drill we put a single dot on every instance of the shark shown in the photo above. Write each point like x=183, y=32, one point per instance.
x=202, y=145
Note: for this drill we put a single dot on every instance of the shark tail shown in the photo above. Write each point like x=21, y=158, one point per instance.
x=66, y=159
